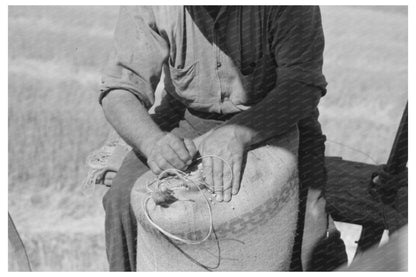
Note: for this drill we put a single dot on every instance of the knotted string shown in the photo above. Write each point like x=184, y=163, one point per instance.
x=186, y=179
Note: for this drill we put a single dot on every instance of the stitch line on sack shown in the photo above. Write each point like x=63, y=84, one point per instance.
x=250, y=220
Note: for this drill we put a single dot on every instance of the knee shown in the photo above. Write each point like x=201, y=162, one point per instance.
x=116, y=200
x=315, y=204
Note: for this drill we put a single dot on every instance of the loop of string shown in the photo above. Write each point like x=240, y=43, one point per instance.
x=186, y=178
x=354, y=150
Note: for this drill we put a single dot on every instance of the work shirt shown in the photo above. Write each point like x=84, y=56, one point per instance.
x=261, y=66
x=225, y=64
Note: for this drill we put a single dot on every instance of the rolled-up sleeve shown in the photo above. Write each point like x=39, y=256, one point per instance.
x=298, y=45
x=135, y=64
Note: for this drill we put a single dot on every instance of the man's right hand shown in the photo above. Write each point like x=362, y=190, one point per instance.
x=169, y=151
x=133, y=123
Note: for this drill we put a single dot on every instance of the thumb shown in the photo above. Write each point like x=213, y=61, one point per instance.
x=190, y=146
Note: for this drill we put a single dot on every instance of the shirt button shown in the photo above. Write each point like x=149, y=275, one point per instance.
x=218, y=64
x=224, y=97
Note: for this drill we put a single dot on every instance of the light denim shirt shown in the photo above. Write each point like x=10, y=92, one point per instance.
x=220, y=65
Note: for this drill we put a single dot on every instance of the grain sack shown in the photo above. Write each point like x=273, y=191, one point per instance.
x=253, y=232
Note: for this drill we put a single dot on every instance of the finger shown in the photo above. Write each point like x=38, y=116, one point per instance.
x=108, y=182
x=162, y=163
x=236, y=167
x=154, y=167
x=110, y=175
x=190, y=145
x=180, y=149
x=207, y=171
x=108, y=179
x=99, y=179
x=171, y=157
x=217, y=176
x=227, y=182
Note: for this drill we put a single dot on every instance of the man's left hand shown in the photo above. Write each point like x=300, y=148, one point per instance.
x=228, y=143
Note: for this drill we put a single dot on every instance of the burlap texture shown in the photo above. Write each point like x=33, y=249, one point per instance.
x=253, y=232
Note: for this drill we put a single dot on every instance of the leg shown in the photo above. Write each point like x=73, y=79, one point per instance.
x=120, y=223
x=322, y=246
x=312, y=174
x=315, y=227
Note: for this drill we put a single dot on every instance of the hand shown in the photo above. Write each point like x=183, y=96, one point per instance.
x=108, y=178
x=169, y=151
x=228, y=143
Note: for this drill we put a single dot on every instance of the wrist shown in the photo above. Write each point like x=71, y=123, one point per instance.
x=146, y=144
x=243, y=134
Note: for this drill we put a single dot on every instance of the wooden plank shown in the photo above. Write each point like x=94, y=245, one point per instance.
x=348, y=199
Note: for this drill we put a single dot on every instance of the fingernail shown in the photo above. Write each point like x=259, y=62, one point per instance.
x=219, y=198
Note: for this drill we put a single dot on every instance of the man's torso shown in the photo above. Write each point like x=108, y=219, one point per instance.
x=221, y=65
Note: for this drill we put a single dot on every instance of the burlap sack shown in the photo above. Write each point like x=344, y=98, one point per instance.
x=253, y=232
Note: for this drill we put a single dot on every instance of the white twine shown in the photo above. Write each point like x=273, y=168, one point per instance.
x=184, y=177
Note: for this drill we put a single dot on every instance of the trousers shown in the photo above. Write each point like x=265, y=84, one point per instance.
x=171, y=116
